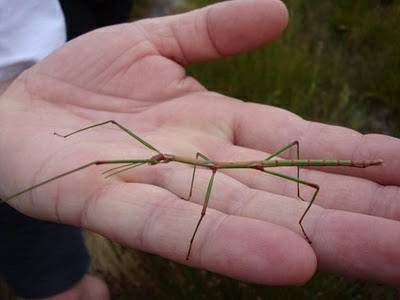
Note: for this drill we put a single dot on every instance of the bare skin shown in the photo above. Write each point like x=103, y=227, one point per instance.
x=134, y=73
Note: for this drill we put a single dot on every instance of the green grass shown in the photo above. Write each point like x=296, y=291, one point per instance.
x=338, y=62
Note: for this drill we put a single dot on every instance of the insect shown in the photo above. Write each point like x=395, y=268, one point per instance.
x=203, y=161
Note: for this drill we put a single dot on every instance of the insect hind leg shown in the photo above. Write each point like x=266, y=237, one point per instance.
x=310, y=203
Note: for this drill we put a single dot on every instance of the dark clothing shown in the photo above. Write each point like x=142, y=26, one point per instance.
x=37, y=258
x=84, y=16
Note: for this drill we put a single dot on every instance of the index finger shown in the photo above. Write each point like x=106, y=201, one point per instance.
x=268, y=128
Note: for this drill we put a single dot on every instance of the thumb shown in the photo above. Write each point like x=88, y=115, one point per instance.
x=218, y=30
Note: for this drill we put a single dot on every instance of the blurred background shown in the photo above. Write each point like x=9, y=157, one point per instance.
x=338, y=62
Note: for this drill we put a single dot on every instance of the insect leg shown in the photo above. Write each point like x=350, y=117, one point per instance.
x=198, y=154
x=203, y=211
x=300, y=181
x=295, y=143
x=98, y=162
x=129, y=132
x=120, y=169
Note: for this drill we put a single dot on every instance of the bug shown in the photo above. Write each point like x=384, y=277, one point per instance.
x=203, y=161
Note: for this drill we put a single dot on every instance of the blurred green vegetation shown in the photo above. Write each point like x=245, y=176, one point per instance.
x=136, y=275
x=337, y=62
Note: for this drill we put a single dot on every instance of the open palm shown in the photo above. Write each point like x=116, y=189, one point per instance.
x=133, y=73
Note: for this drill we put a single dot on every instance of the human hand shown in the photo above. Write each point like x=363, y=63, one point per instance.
x=133, y=73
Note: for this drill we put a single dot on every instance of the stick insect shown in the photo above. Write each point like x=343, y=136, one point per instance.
x=203, y=161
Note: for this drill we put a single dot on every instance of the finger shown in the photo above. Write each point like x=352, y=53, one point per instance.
x=337, y=191
x=267, y=129
x=217, y=30
x=157, y=221
x=359, y=246
x=347, y=243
